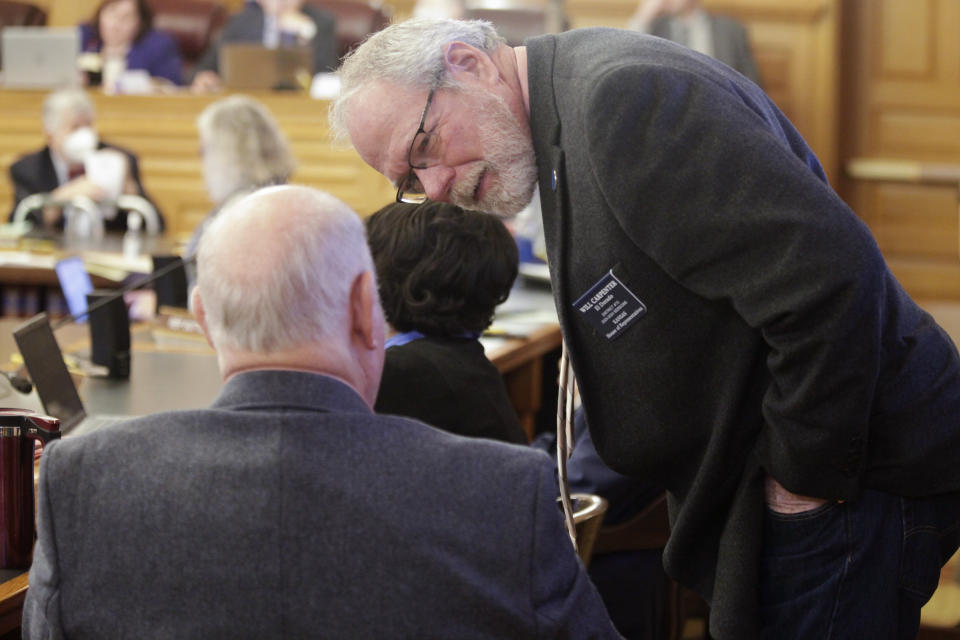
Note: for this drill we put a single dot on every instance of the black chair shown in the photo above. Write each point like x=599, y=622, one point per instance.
x=20, y=14
x=650, y=529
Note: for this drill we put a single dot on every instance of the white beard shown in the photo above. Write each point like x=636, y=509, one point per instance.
x=509, y=160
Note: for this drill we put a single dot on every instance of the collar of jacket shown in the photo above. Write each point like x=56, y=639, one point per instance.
x=287, y=389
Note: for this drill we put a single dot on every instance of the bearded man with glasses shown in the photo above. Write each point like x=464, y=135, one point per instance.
x=736, y=335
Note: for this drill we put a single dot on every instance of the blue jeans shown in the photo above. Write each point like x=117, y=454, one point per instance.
x=859, y=569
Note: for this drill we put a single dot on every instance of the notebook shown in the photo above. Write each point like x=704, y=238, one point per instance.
x=75, y=284
x=256, y=67
x=40, y=57
x=44, y=361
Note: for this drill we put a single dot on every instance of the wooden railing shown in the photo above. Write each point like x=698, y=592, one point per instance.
x=161, y=130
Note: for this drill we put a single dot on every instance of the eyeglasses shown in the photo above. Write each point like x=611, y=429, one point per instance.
x=422, y=153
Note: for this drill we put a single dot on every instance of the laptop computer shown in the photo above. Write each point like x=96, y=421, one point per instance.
x=250, y=66
x=75, y=283
x=44, y=361
x=40, y=57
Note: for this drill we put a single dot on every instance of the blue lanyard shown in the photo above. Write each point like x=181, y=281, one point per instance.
x=401, y=339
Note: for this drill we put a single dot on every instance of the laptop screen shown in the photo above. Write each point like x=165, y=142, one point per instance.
x=44, y=362
x=40, y=57
x=76, y=284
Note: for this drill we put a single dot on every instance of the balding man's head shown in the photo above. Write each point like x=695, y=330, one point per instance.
x=279, y=273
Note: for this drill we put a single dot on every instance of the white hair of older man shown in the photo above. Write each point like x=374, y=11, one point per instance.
x=408, y=54
x=62, y=103
x=243, y=147
x=294, y=289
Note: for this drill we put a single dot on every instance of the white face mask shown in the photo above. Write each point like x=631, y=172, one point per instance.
x=79, y=144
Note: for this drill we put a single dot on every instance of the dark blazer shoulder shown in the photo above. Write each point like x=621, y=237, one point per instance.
x=450, y=384
x=30, y=174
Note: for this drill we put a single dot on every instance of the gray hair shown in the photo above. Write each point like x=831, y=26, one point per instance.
x=408, y=54
x=60, y=103
x=243, y=147
x=293, y=287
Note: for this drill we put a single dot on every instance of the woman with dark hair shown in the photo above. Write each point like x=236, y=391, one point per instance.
x=442, y=271
x=121, y=37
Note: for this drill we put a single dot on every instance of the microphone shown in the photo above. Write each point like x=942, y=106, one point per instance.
x=19, y=383
x=110, y=324
x=142, y=282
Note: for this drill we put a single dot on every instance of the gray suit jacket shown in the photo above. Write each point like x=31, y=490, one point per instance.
x=289, y=510
x=772, y=336
x=731, y=44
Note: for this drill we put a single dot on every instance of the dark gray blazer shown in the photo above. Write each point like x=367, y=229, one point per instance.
x=289, y=510
x=247, y=26
x=731, y=44
x=773, y=338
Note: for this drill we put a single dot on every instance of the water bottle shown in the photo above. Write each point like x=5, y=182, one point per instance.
x=133, y=237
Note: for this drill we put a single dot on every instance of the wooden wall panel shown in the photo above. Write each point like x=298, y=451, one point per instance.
x=63, y=13
x=902, y=102
x=916, y=221
x=899, y=52
x=930, y=134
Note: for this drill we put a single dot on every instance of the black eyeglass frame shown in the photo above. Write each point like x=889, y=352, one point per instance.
x=411, y=177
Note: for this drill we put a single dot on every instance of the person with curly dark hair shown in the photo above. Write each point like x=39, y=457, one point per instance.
x=442, y=271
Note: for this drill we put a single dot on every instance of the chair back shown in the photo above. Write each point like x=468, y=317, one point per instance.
x=588, y=512
x=21, y=14
x=356, y=19
x=194, y=24
x=650, y=529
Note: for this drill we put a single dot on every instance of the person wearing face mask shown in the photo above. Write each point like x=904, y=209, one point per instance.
x=58, y=168
x=274, y=23
x=120, y=37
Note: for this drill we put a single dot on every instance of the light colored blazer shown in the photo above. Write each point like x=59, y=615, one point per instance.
x=289, y=510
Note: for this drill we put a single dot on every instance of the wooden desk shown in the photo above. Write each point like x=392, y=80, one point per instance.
x=13, y=590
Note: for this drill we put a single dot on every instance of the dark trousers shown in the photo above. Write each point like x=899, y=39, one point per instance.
x=859, y=569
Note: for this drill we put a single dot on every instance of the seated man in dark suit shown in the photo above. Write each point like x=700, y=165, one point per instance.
x=290, y=509
x=274, y=23
x=442, y=272
x=58, y=168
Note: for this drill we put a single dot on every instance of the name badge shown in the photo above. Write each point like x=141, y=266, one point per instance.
x=609, y=306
